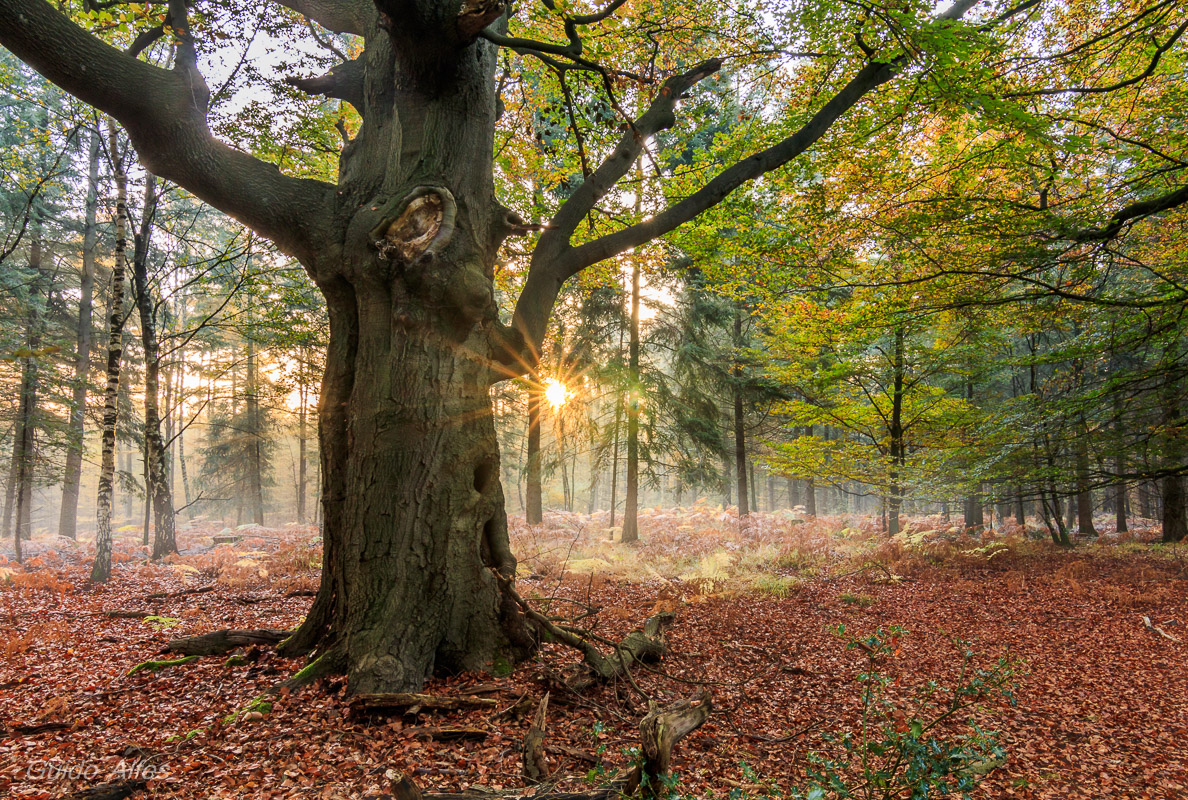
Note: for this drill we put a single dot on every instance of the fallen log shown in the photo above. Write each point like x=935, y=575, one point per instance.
x=219, y=642
x=415, y=702
x=110, y=791
x=121, y=614
x=659, y=731
x=44, y=727
x=182, y=593
x=403, y=788
x=446, y=733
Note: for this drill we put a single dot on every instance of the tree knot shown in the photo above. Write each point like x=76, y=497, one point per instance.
x=419, y=226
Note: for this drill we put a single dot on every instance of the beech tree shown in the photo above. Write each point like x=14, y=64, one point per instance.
x=418, y=573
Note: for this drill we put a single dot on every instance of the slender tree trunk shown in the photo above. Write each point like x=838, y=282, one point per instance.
x=754, y=484
x=974, y=517
x=1120, y=494
x=810, y=487
x=302, y=434
x=1084, y=493
x=614, y=497
x=256, y=432
x=594, y=458
x=101, y=569
x=895, y=498
x=156, y=485
x=740, y=431
x=534, y=513
x=10, y=491
x=566, y=483
x=634, y=401
x=24, y=435
x=1175, y=515
x=72, y=476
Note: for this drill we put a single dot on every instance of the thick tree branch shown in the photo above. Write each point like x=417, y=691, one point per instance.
x=554, y=261
x=343, y=82
x=163, y=112
x=340, y=16
x=1132, y=213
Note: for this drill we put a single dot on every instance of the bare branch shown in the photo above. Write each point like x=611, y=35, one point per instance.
x=1152, y=65
x=163, y=112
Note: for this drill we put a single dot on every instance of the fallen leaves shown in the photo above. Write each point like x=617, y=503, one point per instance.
x=1102, y=711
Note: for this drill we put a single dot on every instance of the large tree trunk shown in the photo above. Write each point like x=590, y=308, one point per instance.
x=156, y=477
x=101, y=568
x=414, y=555
x=414, y=520
x=72, y=475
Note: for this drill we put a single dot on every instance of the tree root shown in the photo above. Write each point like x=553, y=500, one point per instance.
x=413, y=702
x=220, y=642
x=645, y=645
x=162, y=664
x=252, y=712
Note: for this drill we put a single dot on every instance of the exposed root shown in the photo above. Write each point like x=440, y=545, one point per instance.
x=332, y=662
x=414, y=702
x=645, y=645
x=252, y=712
x=219, y=642
x=163, y=664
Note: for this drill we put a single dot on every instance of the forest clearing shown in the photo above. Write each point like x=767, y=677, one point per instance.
x=1101, y=708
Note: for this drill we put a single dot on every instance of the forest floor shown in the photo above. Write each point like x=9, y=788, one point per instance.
x=1102, y=699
